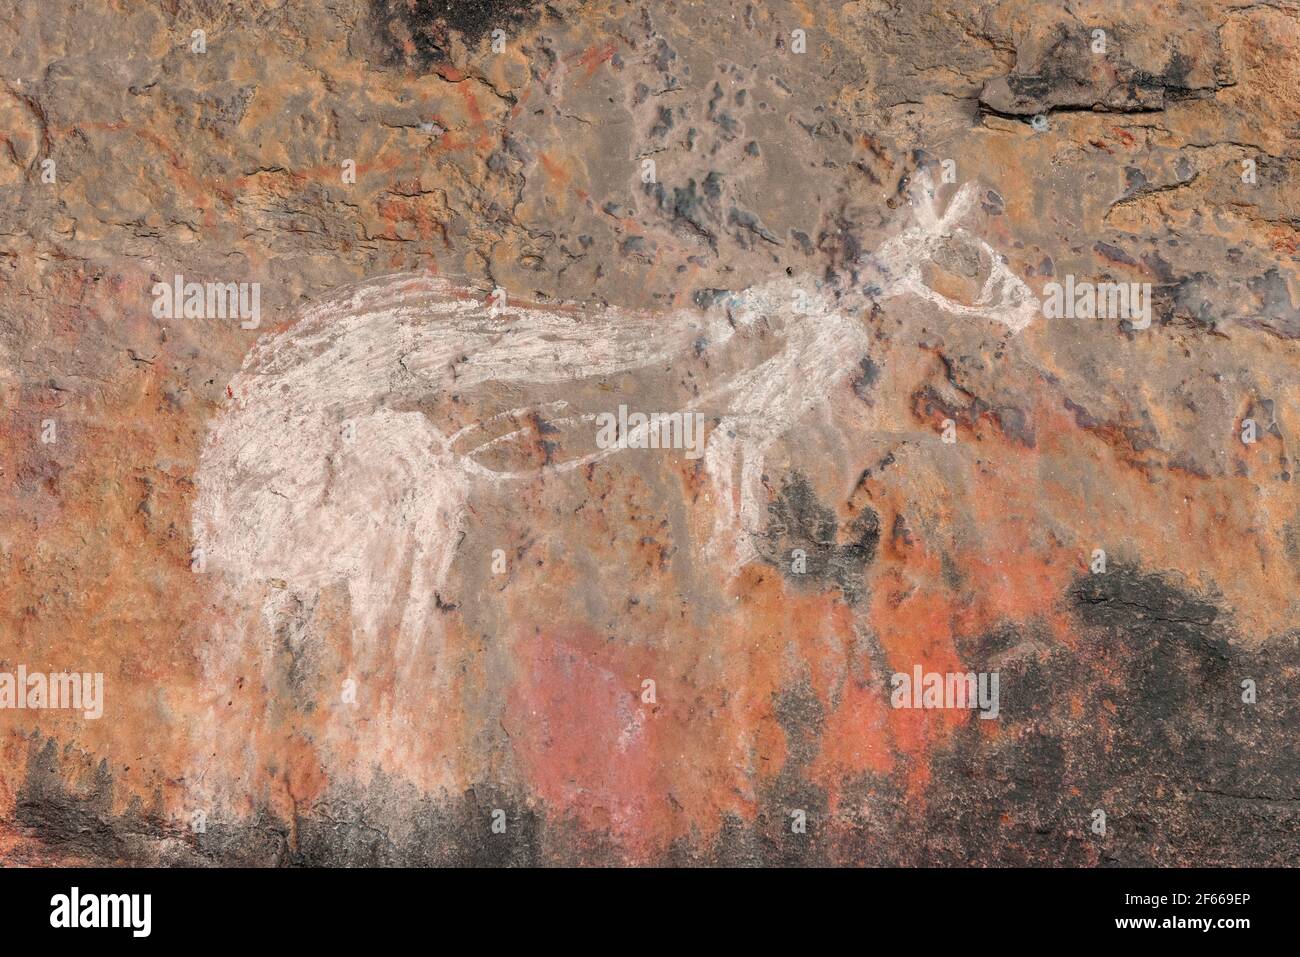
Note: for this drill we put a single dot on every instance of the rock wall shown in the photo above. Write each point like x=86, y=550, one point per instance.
x=988, y=314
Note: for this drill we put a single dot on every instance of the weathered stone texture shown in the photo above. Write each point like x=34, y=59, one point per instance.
x=524, y=169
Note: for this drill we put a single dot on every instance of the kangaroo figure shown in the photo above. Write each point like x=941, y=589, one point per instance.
x=324, y=469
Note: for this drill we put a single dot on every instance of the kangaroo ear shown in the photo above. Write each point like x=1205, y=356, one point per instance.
x=920, y=187
x=922, y=179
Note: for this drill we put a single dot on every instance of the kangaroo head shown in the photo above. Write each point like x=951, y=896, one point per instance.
x=899, y=264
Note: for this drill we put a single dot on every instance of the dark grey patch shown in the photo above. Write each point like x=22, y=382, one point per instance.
x=1015, y=424
x=1065, y=81
x=223, y=114
x=724, y=120
x=663, y=124
x=1291, y=540
x=425, y=25
x=864, y=383
x=291, y=618
x=712, y=186
x=1135, y=181
x=1160, y=266
x=82, y=824
x=1082, y=417
x=633, y=246
x=798, y=520
x=1277, y=313
x=1143, y=719
x=664, y=55
x=801, y=716
x=1191, y=297
x=355, y=832
x=694, y=211
x=1264, y=412
x=1114, y=253
x=709, y=296
x=1171, y=631
x=751, y=224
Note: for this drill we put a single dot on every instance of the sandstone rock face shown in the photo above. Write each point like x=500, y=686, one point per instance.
x=974, y=333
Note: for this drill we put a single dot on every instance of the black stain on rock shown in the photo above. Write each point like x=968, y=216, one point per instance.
x=804, y=533
x=81, y=824
x=693, y=210
x=1277, y=314
x=1067, y=78
x=790, y=824
x=457, y=832
x=1113, y=253
x=1143, y=719
x=417, y=32
x=863, y=384
x=387, y=824
x=1016, y=425
x=1135, y=181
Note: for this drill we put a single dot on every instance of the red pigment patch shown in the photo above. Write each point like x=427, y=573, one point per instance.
x=585, y=741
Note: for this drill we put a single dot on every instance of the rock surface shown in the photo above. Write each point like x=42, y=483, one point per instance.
x=329, y=635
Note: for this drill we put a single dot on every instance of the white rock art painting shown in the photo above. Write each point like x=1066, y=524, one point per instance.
x=322, y=471
x=1005, y=298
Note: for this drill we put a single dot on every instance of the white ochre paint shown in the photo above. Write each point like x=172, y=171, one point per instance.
x=284, y=495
